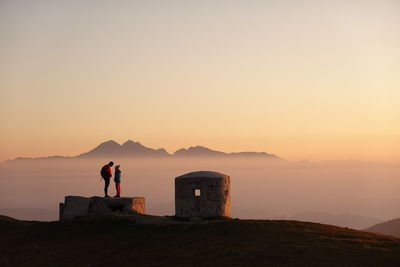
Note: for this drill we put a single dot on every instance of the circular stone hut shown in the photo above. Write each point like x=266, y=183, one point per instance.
x=202, y=194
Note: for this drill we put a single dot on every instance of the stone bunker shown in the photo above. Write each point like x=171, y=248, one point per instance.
x=202, y=194
x=75, y=206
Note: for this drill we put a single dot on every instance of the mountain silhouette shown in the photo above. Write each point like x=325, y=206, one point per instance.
x=127, y=149
x=131, y=148
x=197, y=151
x=201, y=151
x=110, y=147
x=391, y=227
x=135, y=149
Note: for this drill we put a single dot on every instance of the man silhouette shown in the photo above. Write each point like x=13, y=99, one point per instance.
x=106, y=174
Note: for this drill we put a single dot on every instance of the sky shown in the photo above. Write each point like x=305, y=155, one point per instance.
x=311, y=80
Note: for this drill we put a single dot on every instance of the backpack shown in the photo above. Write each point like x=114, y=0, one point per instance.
x=104, y=172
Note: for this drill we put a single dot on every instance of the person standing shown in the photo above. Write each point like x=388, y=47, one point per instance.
x=117, y=180
x=106, y=173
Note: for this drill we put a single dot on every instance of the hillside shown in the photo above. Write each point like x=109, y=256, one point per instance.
x=116, y=241
x=391, y=227
x=31, y=214
x=341, y=219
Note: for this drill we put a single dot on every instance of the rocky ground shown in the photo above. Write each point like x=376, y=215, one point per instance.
x=163, y=241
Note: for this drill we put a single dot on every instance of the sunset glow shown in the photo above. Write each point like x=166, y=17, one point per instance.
x=313, y=81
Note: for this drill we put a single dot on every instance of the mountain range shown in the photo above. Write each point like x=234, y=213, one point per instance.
x=127, y=149
x=136, y=149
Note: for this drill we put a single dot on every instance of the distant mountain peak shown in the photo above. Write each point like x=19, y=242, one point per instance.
x=132, y=148
x=201, y=148
x=197, y=151
x=110, y=147
x=129, y=142
x=128, y=149
x=107, y=145
x=110, y=142
x=202, y=151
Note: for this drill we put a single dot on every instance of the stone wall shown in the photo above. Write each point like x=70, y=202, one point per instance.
x=213, y=199
x=75, y=206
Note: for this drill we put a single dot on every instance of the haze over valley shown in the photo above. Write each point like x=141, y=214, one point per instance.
x=355, y=194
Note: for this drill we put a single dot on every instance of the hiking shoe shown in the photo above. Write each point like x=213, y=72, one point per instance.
x=117, y=196
x=107, y=196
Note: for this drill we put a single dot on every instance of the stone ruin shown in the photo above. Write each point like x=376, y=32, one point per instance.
x=202, y=194
x=75, y=206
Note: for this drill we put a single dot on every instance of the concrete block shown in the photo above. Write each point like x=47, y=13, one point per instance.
x=81, y=206
x=98, y=207
x=138, y=205
x=75, y=206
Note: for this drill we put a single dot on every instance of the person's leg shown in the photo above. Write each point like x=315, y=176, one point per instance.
x=118, y=187
x=106, y=184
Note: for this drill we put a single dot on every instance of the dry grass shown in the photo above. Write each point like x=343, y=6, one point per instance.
x=119, y=241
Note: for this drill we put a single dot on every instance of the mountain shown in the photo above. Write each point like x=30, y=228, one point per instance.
x=201, y=151
x=135, y=149
x=41, y=158
x=111, y=148
x=197, y=151
x=127, y=149
x=391, y=227
x=253, y=154
x=342, y=219
x=131, y=148
x=127, y=241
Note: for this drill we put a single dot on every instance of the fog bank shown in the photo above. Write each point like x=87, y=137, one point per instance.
x=260, y=188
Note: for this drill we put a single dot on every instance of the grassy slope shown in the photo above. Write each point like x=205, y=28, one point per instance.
x=391, y=227
x=119, y=241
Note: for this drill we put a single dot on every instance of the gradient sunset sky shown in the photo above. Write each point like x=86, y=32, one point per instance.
x=301, y=79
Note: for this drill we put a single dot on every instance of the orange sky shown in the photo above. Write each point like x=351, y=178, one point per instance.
x=300, y=80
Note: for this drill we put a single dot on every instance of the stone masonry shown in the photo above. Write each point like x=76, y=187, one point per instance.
x=202, y=194
x=75, y=206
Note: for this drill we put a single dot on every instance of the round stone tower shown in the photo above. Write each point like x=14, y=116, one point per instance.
x=202, y=194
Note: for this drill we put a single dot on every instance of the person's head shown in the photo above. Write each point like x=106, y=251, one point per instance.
x=117, y=167
x=111, y=163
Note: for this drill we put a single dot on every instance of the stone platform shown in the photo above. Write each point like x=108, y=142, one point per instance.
x=75, y=206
